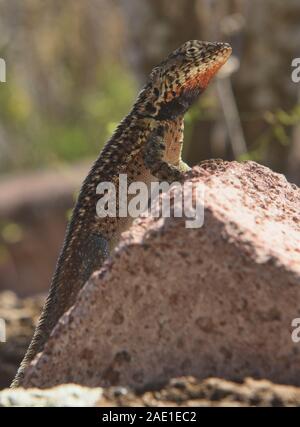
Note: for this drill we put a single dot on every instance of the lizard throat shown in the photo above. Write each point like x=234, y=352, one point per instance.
x=203, y=78
x=178, y=106
x=191, y=91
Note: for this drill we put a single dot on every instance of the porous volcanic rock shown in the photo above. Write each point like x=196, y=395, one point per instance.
x=184, y=391
x=211, y=301
x=20, y=316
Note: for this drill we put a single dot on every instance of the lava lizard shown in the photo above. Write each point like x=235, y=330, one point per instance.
x=146, y=146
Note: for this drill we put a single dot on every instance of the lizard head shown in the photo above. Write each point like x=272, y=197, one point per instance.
x=178, y=81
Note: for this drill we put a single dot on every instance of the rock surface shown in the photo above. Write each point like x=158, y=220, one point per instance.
x=212, y=301
x=65, y=395
x=20, y=316
x=179, y=392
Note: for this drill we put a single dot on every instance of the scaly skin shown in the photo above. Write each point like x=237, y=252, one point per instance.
x=147, y=147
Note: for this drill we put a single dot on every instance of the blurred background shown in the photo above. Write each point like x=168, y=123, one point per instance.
x=73, y=70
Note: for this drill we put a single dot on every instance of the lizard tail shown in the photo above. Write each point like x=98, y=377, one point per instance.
x=74, y=267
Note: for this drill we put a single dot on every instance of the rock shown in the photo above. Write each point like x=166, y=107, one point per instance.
x=188, y=391
x=64, y=395
x=20, y=317
x=185, y=391
x=212, y=301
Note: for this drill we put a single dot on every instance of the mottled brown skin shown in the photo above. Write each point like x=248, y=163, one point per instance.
x=147, y=147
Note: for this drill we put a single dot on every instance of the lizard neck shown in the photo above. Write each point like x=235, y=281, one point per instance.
x=173, y=140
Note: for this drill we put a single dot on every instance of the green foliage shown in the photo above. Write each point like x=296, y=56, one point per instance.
x=11, y=232
x=38, y=139
x=279, y=124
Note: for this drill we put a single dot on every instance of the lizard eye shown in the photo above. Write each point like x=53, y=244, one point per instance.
x=191, y=52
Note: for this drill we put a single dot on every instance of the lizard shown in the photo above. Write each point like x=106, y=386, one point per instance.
x=147, y=146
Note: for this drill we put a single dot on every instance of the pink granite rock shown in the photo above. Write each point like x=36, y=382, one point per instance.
x=211, y=301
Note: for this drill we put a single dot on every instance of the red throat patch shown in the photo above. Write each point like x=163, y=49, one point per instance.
x=203, y=77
